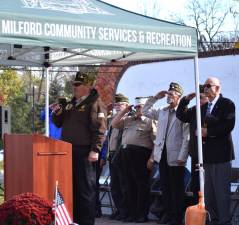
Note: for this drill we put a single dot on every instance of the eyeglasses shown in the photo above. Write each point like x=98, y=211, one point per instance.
x=77, y=84
x=208, y=85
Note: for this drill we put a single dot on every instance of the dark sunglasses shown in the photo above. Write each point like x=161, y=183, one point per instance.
x=77, y=84
x=208, y=85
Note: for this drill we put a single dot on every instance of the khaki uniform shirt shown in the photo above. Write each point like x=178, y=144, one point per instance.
x=139, y=132
x=113, y=141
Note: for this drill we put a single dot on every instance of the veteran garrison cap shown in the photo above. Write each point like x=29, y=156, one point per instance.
x=84, y=78
x=121, y=98
x=175, y=87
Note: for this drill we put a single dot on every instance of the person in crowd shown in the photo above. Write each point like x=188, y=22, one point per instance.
x=99, y=167
x=117, y=183
x=54, y=131
x=83, y=122
x=188, y=115
x=218, y=117
x=170, y=151
x=137, y=144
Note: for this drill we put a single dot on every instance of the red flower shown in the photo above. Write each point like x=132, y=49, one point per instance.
x=26, y=209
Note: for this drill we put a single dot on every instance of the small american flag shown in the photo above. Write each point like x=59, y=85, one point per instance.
x=62, y=216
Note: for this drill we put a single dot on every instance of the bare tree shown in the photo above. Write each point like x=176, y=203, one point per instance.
x=208, y=17
x=150, y=8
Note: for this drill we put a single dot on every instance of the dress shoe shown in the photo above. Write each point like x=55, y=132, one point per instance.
x=143, y=219
x=129, y=219
x=120, y=217
x=98, y=214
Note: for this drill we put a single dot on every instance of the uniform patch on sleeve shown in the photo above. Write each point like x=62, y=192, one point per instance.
x=101, y=115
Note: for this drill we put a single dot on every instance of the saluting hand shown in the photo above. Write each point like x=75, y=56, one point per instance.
x=161, y=94
x=190, y=96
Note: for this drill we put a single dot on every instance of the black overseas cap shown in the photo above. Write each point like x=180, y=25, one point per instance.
x=84, y=78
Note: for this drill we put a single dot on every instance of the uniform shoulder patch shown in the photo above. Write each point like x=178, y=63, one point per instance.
x=101, y=115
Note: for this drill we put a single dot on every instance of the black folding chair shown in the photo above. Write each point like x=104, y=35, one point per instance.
x=105, y=193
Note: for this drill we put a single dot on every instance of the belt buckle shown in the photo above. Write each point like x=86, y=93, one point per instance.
x=124, y=146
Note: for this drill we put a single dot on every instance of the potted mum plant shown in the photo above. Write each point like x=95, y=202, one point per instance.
x=26, y=209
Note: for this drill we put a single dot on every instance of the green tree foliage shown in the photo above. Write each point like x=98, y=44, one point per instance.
x=13, y=91
x=11, y=85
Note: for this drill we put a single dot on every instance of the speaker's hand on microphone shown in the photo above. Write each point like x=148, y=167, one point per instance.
x=93, y=156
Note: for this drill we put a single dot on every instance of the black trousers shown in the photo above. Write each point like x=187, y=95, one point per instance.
x=117, y=183
x=217, y=192
x=137, y=180
x=172, y=184
x=84, y=186
x=194, y=184
x=97, y=193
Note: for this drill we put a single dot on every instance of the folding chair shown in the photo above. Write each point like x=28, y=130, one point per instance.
x=105, y=192
x=234, y=191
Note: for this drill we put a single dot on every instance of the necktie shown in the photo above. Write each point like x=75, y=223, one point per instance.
x=209, y=108
x=170, y=117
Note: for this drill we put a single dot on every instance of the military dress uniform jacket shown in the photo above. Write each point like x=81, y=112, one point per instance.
x=177, y=139
x=83, y=123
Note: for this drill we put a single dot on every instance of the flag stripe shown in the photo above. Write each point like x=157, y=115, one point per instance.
x=67, y=214
x=62, y=216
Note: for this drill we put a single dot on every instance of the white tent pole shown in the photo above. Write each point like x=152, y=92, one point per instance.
x=199, y=133
x=46, y=71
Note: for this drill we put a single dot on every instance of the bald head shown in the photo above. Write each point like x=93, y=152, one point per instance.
x=213, y=80
x=212, y=87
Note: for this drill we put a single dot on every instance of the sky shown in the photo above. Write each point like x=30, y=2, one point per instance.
x=168, y=8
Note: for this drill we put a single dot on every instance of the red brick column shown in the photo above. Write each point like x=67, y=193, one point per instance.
x=108, y=78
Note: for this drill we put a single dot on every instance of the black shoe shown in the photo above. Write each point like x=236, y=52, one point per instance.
x=120, y=217
x=98, y=214
x=143, y=219
x=129, y=219
x=164, y=220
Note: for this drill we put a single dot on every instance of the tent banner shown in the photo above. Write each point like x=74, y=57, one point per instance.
x=35, y=31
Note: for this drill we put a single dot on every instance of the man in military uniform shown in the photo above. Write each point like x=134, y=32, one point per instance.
x=170, y=151
x=137, y=144
x=83, y=122
x=117, y=182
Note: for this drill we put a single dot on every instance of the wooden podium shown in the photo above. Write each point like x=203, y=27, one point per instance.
x=33, y=163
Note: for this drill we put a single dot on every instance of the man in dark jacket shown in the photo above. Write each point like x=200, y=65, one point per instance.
x=218, y=120
x=83, y=122
x=188, y=115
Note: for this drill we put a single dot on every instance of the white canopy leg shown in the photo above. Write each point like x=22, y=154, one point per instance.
x=199, y=133
x=47, y=83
